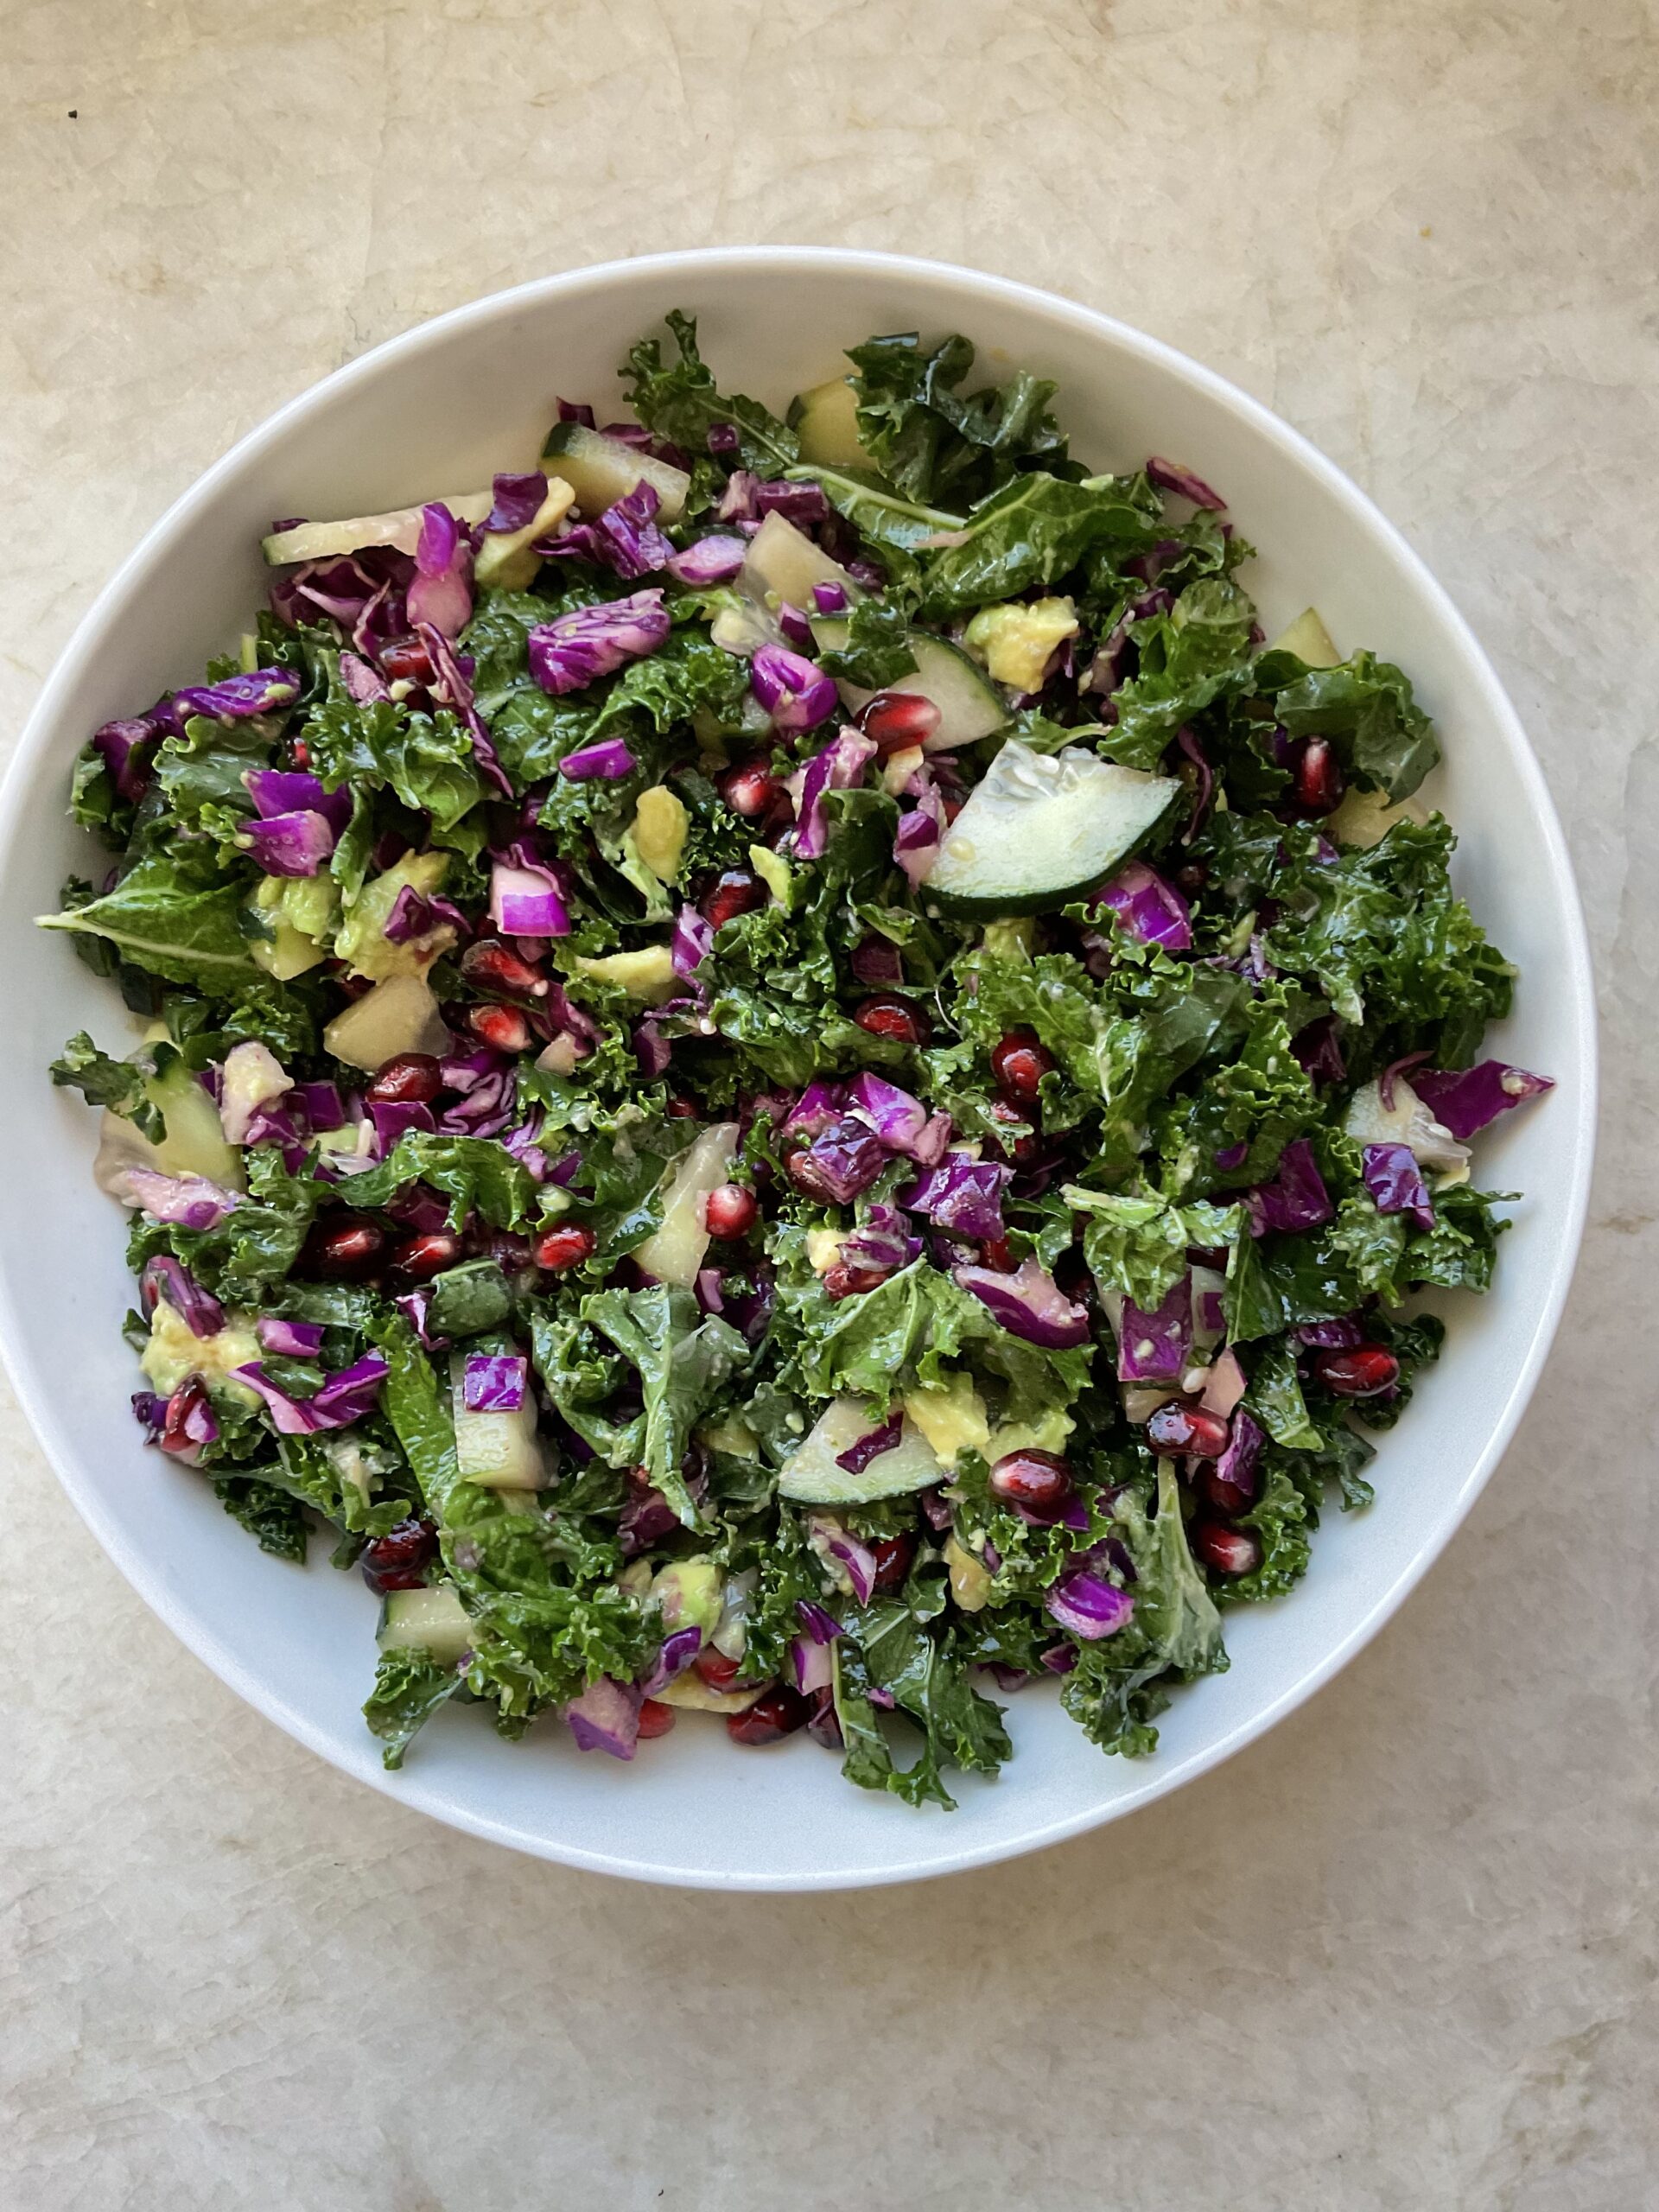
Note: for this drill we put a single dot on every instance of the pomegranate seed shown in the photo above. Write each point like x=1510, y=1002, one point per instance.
x=749, y=789
x=1360, y=1373
x=556, y=1249
x=895, y=721
x=490, y=966
x=1229, y=1550
x=995, y=1252
x=681, y=1108
x=1226, y=1497
x=716, y=1670
x=1021, y=1150
x=893, y=1556
x=398, y=1560
x=739, y=891
x=175, y=1437
x=406, y=1080
x=1192, y=1429
x=777, y=1713
x=301, y=751
x=405, y=660
x=420, y=1258
x=1040, y=1481
x=843, y=1281
x=1317, y=777
x=1020, y=1063
x=887, y=1016
x=1192, y=878
x=343, y=1250
x=502, y=1026
x=730, y=1212
x=655, y=1719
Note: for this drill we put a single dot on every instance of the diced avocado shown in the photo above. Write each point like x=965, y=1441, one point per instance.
x=432, y=1620
x=175, y=1350
x=952, y=1417
x=824, y=1249
x=1010, y=938
x=1309, y=639
x=601, y=471
x=688, y=1693
x=813, y=1474
x=774, y=871
x=677, y=1247
x=292, y=917
x=783, y=564
x=1365, y=819
x=689, y=1593
x=361, y=941
x=825, y=419
x=1042, y=828
x=660, y=823
x=498, y=1451
x=194, y=1143
x=400, y=1016
x=1017, y=641
x=327, y=541
x=1047, y=1433
x=648, y=974
x=730, y=1434
x=504, y=560
x=971, y=707
x=970, y=1579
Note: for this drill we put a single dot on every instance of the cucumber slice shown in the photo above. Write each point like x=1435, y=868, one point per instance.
x=1309, y=639
x=826, y=421
x=1043, y=829
x=497, y=1450
x=970, y=706
x=328, y=541
x=784, y=564
x=675, y=1250
x=426, y=1620
x=601, y=471
x=813, y=1475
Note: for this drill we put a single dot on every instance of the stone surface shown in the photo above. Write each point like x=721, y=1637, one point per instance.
x=1401, y=1955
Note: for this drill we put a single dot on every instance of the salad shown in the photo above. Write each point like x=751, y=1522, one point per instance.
x=786, y=1072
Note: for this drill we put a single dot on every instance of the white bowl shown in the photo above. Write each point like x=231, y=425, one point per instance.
x=472, y=391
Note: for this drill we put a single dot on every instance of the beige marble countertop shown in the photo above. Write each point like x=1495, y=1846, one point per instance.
x=1402, y=1954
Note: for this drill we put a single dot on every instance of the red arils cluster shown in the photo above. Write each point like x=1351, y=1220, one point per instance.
x=399, y=1560
x=739, y=891
x=1179, y=1428
x=405, y=660
x=887, y=1016
x=489, y=965
x=1041, y=1481
x=893, y=1556
x=750, y=789
x=1229, y=1550
x=342, y=1250
x=502, y=1027
x=1365, y=1372
x=730, y=1212
x=1020, y=1150
x=1315, y=778
x=556, y=1249
x=655, y=1718
x=777, y=1713
x=421, y=1257
x=406, y=1080
x=894, y=722
x=1018, y=1062
x=841, y=1280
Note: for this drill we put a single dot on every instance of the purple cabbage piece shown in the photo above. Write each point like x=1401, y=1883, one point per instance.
x=830, y=598
x=855, y=1559
x=413, y=1306
x=881, y=1246
x=607, y=761
x=1340, y=1335
x=1028, y=1304
x=1086, y=1606
x=706, y=1288
x=916, y=841
x=1318, y=1051
x=414, y=917
x=279, y=792
x=902, y=1122
x=722, y=438
x=652, y=1049
x=796, y=693
x=265, y=691
x=440, y=593
x=1238, y=1464
x=391, y=1117
x=518, y=501
x=842, y=1160
x=493, y=1382
x=795, y=627
x=822, y=1627
x=1466, y=1100
x=813, y=1666
x=1396, y=1182
x=362, y=684
x=963, y=1195
x=344, y=1398
x=804, y=505
x=713, y=560
x=452, y=687
x=487, y=1095
x=572, y=410
x=1172, y=476
x=1391, y=1074
x=871, y=1445
x=679, y=1648
x=290, y=1339
x=625, y=538
x=839, y=767
x=321, y=1104
x=125, y=745
x=938, y=1513
x=1156, y=1347
x=180, y=1201
x=1059, y=1658
x=527, y=897
x=877, y=962
x=167, y=1278
x=819, y=1105
x=691, y=943
x=737, y=500
x=150, y=1412
x=1149, y=908
x=606, y=1718
x=289, y=844
x=576, y=649
x=1295, y=1199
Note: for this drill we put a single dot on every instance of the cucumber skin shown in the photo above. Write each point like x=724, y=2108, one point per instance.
x=970, y=908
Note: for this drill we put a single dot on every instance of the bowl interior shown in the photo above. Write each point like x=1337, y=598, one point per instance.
x=442, y=408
